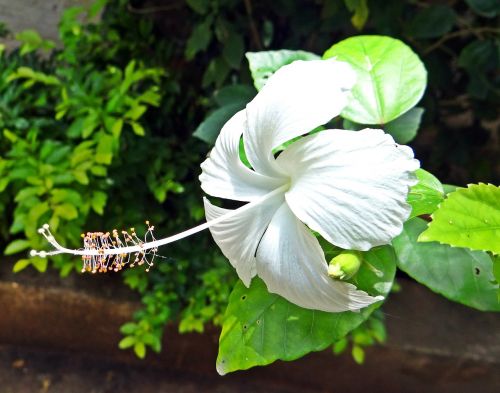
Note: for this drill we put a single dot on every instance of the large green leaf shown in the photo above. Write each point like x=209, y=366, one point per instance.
x=260, y=327
x=457, y=273
x=426, y=195
x=264, y=64
x=391, y=78
x=469, y=217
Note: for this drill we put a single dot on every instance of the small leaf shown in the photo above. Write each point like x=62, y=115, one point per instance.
x=66, y=211
x=138, y=128
x=459, y=274
x=99, y=199
x=234, y=94
x=16, y=246
x=216, y=72
x=391, y=78
x=104, y=151
x=432, y=22
x=40, y=264
x=358, y=354
x=116, y=129
x=360, y=9
x=264, y=64
x=128, y=328
x=486, y=8
x=135, y=112
x=140, y=350
x=469, y=217
x=209, y=129
x=199, y=40
x=21, y=265
x=81, y=177
x=426, y=195
x=480, y=55
x=340, y=346
x=127, y=342
x=234, y=49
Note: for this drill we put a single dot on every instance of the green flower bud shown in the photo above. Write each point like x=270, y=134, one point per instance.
x=345, y=265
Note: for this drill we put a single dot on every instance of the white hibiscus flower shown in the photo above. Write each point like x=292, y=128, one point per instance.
x=348, y=186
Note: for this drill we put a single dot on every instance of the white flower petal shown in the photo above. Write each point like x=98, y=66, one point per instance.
x=350, y=186
x=239, y=236
x=224, y=175
x=297, y=98
x=292, y=264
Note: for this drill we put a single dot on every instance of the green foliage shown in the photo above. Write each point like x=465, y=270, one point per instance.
x=31, y=41
x=426, y=195
x=370, y=332
x=459, y=274
x=469, y=217
x=391, y=78
x=88, y=141
x=230, y=99
x=260, y=327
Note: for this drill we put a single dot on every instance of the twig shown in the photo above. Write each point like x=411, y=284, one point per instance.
x=460, y=33
x=253, y=27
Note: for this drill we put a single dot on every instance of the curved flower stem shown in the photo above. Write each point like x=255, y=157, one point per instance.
x=153, y=244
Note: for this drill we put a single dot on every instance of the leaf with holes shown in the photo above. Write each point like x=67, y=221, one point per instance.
x=469, y=217
x=459, y=274
x=391, y=78
x=261, y=327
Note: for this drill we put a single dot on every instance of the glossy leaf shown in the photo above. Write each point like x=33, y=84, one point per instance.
x=260, y=327
x=459, y=274
x=264, y=64
x=469, y=217
x=426, y=195
x=391, y=78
